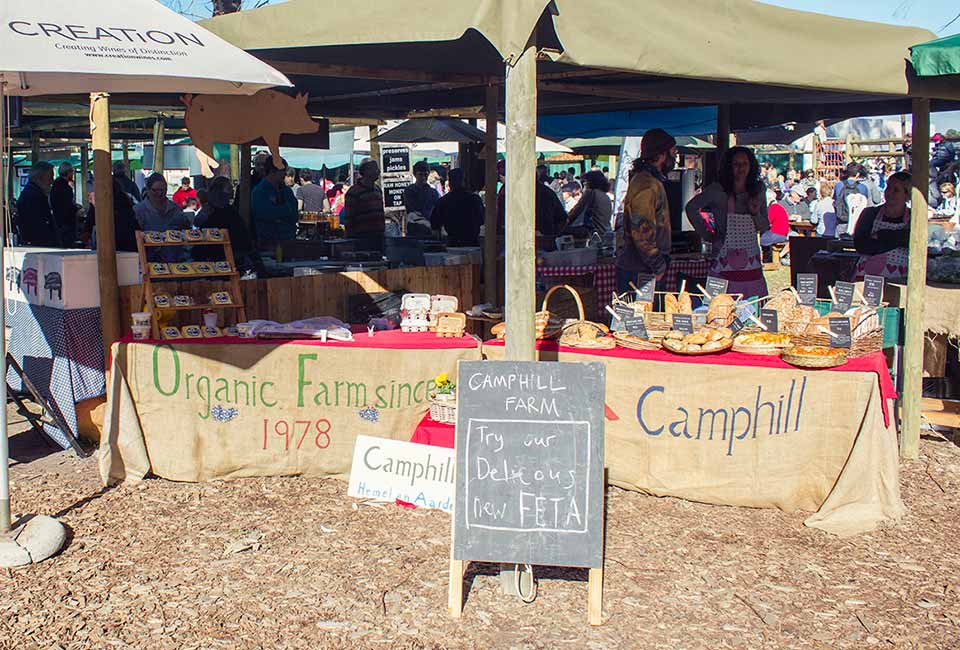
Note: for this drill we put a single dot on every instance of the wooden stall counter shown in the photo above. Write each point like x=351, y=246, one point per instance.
x=746, y=430
x=210, y=409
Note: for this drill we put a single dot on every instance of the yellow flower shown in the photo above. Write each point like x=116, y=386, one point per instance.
x=441, y=379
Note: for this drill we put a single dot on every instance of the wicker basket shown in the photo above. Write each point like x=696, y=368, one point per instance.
x=861, y=346
x=443, y=411
x=813, y=362
x=581, y=333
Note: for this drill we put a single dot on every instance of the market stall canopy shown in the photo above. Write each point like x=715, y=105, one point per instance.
x=383, y=58
x=398, y=129
x=56, y=47
x=936, y=58
x=436, y=129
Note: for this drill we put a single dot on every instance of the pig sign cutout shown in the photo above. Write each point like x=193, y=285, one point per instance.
x=238, y=119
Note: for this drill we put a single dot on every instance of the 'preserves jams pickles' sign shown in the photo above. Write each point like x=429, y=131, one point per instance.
x=530, y=463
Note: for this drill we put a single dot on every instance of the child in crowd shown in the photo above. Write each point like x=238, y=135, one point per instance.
x=948, y=206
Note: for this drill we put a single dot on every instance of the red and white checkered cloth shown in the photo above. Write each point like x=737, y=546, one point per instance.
x=604, y=279
x=698, y=267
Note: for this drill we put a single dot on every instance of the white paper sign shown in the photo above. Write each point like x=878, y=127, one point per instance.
x=387, y=470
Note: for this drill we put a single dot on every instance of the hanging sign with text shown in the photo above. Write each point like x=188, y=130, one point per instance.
x=529, y=478
x=396, y=160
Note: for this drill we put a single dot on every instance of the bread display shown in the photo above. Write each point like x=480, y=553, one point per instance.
x=706, y=340
x=722, y=310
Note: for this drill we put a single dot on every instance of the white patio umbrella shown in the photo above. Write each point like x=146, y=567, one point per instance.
x=92, y=46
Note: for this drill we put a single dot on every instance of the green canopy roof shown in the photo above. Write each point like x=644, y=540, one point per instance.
x=937, y=58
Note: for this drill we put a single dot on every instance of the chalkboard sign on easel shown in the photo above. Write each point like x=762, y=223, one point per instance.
x=529, y=473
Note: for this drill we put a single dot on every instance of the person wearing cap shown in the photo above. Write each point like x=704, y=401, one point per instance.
x=732, y=215
x=273, y=207
x=796, y=205
x=646, y=212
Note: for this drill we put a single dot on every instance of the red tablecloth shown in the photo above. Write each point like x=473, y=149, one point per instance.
x=391, y=339
x=430, y=432
x=875, y=363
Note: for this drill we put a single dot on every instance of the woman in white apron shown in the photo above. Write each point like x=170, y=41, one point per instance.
x=882, y=235
x=732, y=214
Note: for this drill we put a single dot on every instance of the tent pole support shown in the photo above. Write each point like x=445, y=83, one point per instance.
x=723, y=129
x=916, y=282
x=373, y=132
x=158, y=138
x=520, y=227
x=235, y=163
x=490, y=226
x=243, y=193
x=106, y=236
x=85, y=173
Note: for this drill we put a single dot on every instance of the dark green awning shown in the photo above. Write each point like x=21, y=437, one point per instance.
x=937, y=58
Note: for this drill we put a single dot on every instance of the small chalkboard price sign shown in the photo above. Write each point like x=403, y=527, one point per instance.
x=683, y=323
x=635, y=326
x=840, y=330
x=624, y=312
x=770, y=320
x=807, y=286
x=716, y=286
x=873, y=290
x=529, y=472
x=843, y=296
x=646, y=287
x=737, y=325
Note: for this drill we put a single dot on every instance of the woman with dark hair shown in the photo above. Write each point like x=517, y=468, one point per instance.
x=882, y=233
x=732, y=214
x=594, y=210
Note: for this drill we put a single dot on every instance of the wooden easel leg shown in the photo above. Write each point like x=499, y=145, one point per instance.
x=455, y=595
x=595, y=597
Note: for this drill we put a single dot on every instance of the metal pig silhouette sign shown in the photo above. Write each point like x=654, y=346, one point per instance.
x=239, y=119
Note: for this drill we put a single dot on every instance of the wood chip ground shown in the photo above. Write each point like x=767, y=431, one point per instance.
x=294, y=563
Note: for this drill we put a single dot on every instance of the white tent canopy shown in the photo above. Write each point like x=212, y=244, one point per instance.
x=62, y=47
x=65, y=47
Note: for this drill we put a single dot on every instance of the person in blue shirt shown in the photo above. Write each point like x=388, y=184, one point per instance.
x=273, y=206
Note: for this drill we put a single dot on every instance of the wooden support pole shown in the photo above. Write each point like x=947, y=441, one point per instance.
x=374, y=145
x=126, y=158
x=34, y=148
x=235, y=167
x=85, y=173
x=106, y=236
x=723, y=129
x=916, y=284
x=491, y=292
x=243, y=193
x=520, y=227
x=158, y=137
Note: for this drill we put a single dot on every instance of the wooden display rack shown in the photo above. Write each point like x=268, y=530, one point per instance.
x=232, y=277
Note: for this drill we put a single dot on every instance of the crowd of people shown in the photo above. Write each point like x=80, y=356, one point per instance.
x=749, y=209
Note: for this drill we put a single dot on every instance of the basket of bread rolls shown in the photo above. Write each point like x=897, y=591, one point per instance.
x=706, y=340
x=866, y=331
